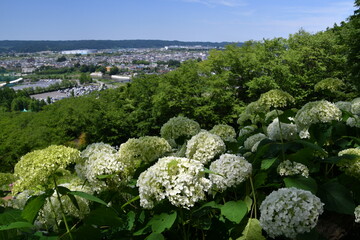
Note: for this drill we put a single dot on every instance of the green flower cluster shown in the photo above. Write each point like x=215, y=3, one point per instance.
x=226, y=132
x=350, y=166
x=35, y=168
x=179, y=127
x=276, y=98
x=252, y=142
x=332, y=85
x=141, y=151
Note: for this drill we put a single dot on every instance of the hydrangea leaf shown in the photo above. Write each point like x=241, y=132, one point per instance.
x=88, y=197
x=301, y=182
x=252, y=231
x=267, y=163
x=337, y=198
x=32, y=207
x=160, y=223
x=155, y=236
x=16, y=225
x=234, y=211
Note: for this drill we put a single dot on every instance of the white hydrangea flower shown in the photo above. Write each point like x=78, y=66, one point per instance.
x=253, y=140
x=316, y=112
x=357, y=214
x=137, y=152
x=233, y=170
x=304, y=134
x=355, y=106
x=289, y=212
x=178, y=127
x=100, y=159
x=247, y=130
x=226, y=132
x=204, y=146
x=180, y=180
x=288, y=168
x=344, y=106
x=289, y=131
x=353, y=121
x=20, y=199
x=51, y=212
x=350, y=166
x=252, y=112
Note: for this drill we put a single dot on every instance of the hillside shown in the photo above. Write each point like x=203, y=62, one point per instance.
x=37, y=46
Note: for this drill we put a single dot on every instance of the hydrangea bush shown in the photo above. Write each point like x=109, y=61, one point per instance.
x=226, y=132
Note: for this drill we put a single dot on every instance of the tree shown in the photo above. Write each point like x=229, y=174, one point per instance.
x=353, y=43
x=114, y=70
x=61, y=59
x=85, y=78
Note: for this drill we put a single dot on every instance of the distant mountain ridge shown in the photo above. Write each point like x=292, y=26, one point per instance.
x=46, y=45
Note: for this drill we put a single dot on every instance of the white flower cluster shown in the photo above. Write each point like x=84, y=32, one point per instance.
x=204, y=146
x=247, y=130
x=357, y=214
x=344, y=106
x=353, y=121
x=288, y=168
x=332, y=85
x=226, y=132
x=100, y=159
x=178, y=127
x=20, y=199
x=288, y=130
x=289, y=211
x=233, y=170
x=350, y=166
x=180, y=180
x=252, y=142
x=136, y=152
x=276, y=98
x=51, y=212
x=355, y=106
x=316, y=112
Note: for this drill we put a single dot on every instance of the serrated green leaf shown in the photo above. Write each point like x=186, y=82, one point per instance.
x=301, y=182
x=62, y=190
x=252, y=231
x=234, y=211
x=16, y=225
x=248, y=201
x=88, y=197
x=267, y=163
x=131, y=220
x=32, y=207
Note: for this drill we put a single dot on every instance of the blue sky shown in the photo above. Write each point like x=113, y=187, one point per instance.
x=185, y=20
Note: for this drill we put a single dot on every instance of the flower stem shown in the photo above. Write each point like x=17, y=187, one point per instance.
x=254, y=197
x=62, y=210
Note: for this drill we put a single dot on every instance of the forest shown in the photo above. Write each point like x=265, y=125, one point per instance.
x=259, y=141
